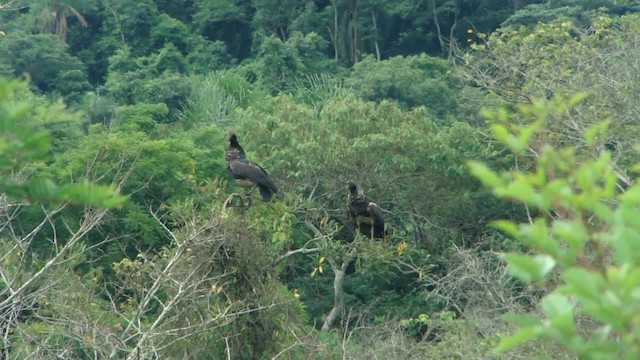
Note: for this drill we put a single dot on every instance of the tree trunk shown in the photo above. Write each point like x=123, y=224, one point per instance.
x=338, y=297
x=375, y=35
x=281, y=33
x=434, y=14
x=353, y=29
x=334, y=35
x=452, y=39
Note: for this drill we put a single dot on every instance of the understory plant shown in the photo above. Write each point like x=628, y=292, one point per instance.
x=583, y=233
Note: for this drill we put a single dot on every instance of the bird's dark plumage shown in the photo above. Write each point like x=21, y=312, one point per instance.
x=364, y=213
x=247, y=173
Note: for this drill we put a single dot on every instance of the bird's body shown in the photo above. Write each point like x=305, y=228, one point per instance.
x=365, y=213
x=247, y=173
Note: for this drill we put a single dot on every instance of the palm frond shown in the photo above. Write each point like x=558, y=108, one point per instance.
x=210, y=102
x=316, y=89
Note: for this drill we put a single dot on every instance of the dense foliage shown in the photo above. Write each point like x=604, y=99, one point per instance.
x=481, y=127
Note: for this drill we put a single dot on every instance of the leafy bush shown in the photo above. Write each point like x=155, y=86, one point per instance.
x=585, y=242
x=46, y=60
x=412, y=81
x=23, y=148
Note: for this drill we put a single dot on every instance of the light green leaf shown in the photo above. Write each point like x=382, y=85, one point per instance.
x=522, y=320
x=521, y=336
x=573, y=232
x=538, y=236
x=583, y=283
x=595, y=130
x=508, y=227
x=631, y=196
x=522, y=192
x=501, y=133
x=631, y=282
x=555, y=305
x=577, y=98
x=487, y=176
x=529, y=268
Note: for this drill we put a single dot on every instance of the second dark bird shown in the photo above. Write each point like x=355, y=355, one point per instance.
x=247, y=173
x=364, y=213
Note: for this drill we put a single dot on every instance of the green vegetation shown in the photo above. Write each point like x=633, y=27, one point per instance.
x=499, y=137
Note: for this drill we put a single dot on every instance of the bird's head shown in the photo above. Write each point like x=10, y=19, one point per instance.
x=233, y=141
x=353, y=189
x=235, y=151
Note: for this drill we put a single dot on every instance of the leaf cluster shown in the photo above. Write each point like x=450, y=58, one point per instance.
x=584, y=241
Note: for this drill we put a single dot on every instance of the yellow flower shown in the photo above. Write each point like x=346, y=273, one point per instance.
x=401, y=248
x=215, y=288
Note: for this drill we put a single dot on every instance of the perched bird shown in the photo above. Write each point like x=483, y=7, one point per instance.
x=247, y=173
x=364, y=213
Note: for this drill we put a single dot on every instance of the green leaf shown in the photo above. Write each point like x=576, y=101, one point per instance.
x=573, y=232
x=595, y=130
x=521, y=336
x=508, y=227
x=555, y=305
x=523, y=192
x=529, y=268
x=526, y=133
x=501, y=133
x=487, y=176
x=556, y=189
x=624, y=235
x=631, y=283
x=560, y=310
x=583, y=283
x=538, y=236
x=522, y=320
x=576, y=99
x=631, y=196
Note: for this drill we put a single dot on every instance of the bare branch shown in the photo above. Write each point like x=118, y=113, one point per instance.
x=91, y=219
x=302, y=250
x=12, y=5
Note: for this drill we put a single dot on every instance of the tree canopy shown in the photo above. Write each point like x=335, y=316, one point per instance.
x=498, y=138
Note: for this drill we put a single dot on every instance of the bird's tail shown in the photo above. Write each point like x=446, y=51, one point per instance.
x=265, y=192
x=378, y=231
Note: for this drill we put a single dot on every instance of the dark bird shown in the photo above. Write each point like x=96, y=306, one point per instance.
x=364, y=213
x=247, y=173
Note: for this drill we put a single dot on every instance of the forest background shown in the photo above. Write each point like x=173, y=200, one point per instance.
x=462, y=118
